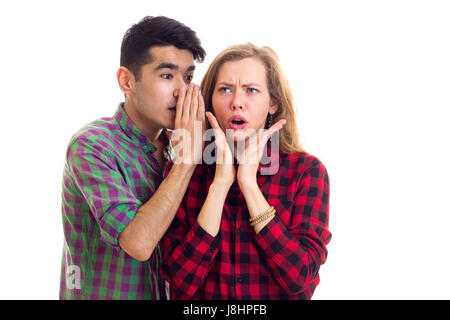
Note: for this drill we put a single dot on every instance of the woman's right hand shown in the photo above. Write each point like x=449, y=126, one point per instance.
x=225, y=171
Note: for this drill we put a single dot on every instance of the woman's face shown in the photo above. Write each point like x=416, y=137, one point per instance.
x=241, y=99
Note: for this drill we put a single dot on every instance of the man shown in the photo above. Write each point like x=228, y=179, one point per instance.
x=115, y=205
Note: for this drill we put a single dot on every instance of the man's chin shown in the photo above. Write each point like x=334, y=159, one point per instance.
x=171, y=126
x=168, y=124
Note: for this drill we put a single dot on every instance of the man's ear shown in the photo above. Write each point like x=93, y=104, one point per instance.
x=126, y=80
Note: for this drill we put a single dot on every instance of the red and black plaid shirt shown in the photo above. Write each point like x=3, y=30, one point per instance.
x=280, y=262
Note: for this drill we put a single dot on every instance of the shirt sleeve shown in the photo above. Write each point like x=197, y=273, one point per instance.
x=103, y=188
x=189, y=252
x=295, y=252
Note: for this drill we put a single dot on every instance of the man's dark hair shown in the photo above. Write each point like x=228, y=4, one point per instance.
x=156, y=31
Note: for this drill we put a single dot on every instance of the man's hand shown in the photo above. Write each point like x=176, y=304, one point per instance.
x=153, y=218
x=189, y=126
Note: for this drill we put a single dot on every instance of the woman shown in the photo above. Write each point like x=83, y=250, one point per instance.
x=262, y=231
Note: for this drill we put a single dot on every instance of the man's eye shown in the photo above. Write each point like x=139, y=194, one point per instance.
x=252, y=90
x=167, y=76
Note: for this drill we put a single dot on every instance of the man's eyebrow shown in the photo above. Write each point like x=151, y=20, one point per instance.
x=166, y=65
x=171, y=66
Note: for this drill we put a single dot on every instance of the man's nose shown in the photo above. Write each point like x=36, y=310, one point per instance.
x=179, y=85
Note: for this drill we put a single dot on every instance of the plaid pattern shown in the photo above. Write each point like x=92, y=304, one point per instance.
x=280, y=262
x=110, y=171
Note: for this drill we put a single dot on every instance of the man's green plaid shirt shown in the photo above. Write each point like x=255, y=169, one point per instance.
x=110, y=171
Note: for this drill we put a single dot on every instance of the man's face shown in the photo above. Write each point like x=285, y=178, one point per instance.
x=156, y=93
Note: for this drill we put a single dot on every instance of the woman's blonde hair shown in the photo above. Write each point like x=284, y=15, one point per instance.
x=277, y=83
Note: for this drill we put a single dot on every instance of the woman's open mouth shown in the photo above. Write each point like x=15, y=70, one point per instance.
x=237, y=122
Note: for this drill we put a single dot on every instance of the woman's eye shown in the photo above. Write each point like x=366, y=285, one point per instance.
x=189, y=78
x=224, y=89
x=167, y=76
x=252, y=90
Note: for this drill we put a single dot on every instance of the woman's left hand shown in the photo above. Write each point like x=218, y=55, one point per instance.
x=252, y=154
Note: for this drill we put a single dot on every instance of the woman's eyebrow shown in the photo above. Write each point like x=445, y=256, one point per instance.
x=223, y=83
x=251, y=84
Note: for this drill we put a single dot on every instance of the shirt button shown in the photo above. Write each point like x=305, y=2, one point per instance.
x=145, y=148
x=240, y=279
x=239, y=230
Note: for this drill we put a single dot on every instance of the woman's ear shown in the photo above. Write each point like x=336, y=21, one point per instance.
x=274, y=106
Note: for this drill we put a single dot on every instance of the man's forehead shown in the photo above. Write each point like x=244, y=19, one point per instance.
x=172, y=55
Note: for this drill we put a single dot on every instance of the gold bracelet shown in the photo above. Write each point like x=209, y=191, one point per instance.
x=261, y=220
x=264, y=213
x=263, y=216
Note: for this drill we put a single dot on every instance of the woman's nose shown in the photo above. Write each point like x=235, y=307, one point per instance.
x=237, y=103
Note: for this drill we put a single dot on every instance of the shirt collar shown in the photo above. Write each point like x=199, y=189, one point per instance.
x=141, y=140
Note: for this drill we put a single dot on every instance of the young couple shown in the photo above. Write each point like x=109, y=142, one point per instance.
x=140, y=224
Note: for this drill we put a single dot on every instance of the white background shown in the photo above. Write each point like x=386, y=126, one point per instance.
x=371, y=82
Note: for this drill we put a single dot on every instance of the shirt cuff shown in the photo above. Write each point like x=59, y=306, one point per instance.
x=200, y=245
x=113, y=222
x=273, y=237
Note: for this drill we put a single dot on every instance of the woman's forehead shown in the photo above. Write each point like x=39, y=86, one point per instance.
x=247, y=70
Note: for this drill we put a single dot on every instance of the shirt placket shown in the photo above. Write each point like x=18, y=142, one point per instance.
x=238, y=228
x=149, y=151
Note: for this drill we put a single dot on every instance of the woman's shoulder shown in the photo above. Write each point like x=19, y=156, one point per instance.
x=303, y=158
x=302, y=161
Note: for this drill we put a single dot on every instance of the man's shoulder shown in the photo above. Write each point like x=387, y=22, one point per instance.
x=100, y=128
x=95, y=132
